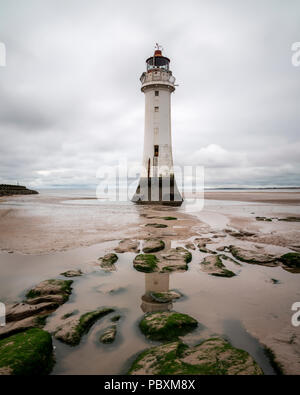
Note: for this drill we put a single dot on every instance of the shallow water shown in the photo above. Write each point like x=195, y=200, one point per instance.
x=222, y=306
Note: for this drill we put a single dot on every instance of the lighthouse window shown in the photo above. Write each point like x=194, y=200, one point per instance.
x=156, y=109
x=156, y=150
x=156, y=93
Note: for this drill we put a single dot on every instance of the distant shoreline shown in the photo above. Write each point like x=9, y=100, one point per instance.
x=10, y=190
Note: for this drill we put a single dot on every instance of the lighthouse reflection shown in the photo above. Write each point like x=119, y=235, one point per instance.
x=155, y=284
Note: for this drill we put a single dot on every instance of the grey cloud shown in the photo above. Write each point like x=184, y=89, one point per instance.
x=70, y=96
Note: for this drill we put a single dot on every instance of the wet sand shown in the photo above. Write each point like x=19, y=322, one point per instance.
x=44, y=235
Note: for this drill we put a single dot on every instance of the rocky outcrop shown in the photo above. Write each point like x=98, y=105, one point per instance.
x=41, y=300
x=213, y=265
x=153, y=245
x=108, y=261
x=167, y=325
x=190, y=246
x=176, y=259
x=291, y=261
x=109, y=335
x=253, y=256
x=51, y=287
x=165, y=297
x=8, y=190
x=146, y=263
x=27, y=353
x=72, y=330
x=157, y=225
x=72, y=273
x=128, y=245
x=212, y=357
x=202, y=241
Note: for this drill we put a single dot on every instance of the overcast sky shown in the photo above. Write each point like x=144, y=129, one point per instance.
x=70, y=98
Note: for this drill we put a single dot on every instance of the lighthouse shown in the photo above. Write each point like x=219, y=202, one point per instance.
x=157, y=183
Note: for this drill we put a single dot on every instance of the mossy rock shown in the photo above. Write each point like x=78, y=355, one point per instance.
x=153, y=245
x=72, y=332
x=167, y=325
x=146, y=263
x=213, y=265
x=169, y=218
x=212, y=357
x=108, y=261
x=291, y=259
x=72, y=273
x=109, y=335
x=51, y=287
x=27, y=353
x=115, y=318
x=157, y=225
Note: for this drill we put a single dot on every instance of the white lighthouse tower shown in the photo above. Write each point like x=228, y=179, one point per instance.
x=157, y=184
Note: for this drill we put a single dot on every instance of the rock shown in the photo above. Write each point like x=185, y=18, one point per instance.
x=28, y=353
x=202, y=241
x=115, y=318
x=58, y=299
x=190, y=246
x=14, y=327
x=74, y=328
x=108, y=261
x=72, y=273
x=109, y=335
x=42, y=300
x=212, y=357
x=157, y=225
x=291, y=261
x=227, y=258
x=153, y=245
x=51, y=287
x=283, y=349
x=165, y=297
x=290, y=219
x=19, y=311
x=240, y=234
x=213, y=265
x=146, y=263
x=263, y=219
x=176, y=259
x=251, y=256
x=128, y=245
x=222, y=248
x=206, y=250
x=166, y=325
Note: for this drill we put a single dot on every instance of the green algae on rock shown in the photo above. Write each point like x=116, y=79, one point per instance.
x=165, y=297
x=291, y=260
x=73, y=330
x=109, y=335
x=108, y=261
x=51, y=287
x=166, y=325
x=146, y=263
x=72, y=273
x=27, y=353
x=153, y=245
x=253, y=256
x=154, y=225
x=212, y=357
x=213, y=265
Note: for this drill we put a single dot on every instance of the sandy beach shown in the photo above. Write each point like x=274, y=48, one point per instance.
x=44, y=235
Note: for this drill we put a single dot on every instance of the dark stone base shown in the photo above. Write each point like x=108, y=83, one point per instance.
x=158, y=191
